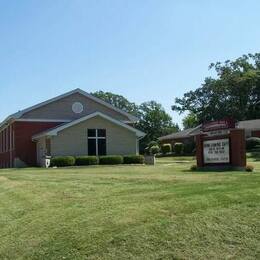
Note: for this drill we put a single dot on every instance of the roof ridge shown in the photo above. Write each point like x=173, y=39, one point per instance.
x=20, y=113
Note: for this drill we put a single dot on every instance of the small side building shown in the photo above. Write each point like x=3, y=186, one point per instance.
x=251, y=127
x=186, y=136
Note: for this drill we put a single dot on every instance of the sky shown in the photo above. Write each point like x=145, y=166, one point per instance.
x=142, y=49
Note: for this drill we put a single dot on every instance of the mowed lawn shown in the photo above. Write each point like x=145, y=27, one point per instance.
x=130, y=212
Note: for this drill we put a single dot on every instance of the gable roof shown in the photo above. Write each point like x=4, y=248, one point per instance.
x=19, y=114
x=54, y=131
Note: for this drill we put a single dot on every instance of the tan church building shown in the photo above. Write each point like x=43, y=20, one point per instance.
x=75, y=123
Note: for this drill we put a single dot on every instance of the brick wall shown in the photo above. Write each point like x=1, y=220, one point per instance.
x=25, y=148
x=256, y=133
x=6, y=147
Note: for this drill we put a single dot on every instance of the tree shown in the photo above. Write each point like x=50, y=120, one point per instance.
x=118, y=101
x=190, y=121
x=155, y=122
x=235, y=92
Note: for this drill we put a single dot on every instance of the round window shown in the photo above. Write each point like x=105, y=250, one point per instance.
x=77, y=107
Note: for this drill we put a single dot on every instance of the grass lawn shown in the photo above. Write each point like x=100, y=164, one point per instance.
x=130, y=212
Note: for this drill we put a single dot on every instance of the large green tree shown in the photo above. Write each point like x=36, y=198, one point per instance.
x=118, y=101
x=155, y=122
x=235, y=92
x=190, y=121
x=153, y=119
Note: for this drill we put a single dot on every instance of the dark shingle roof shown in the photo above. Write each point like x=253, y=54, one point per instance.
x=182, y=134
x=247, y=125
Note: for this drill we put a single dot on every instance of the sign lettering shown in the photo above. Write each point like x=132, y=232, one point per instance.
x=216, y=151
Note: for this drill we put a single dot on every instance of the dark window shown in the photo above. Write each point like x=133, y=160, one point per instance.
x=101, y=132
x=91, y=146
x=97, y=142
x=102, y=149
x=91, y=132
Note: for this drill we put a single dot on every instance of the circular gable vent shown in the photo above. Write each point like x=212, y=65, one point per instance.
x=77, y=107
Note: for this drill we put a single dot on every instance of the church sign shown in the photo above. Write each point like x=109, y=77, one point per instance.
x=218, y=125
x=216, y=151
x=220, y=144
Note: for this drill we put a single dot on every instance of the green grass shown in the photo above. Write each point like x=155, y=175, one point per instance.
x=130, y=212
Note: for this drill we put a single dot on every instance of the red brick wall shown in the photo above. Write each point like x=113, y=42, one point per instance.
x=256, y=133
x=25, y=148
x=5, y=160
x=238, y=147
x=6, y=147
x=199, y=150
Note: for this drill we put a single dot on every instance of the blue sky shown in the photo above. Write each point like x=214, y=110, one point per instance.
x=144, y=50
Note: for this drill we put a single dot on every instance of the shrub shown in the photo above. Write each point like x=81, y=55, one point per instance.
x=152, y=143
x=166, y=148
x=249, y=168
x=188, y=148
x=154, y=149
x=111, y=159
x=86, y=160
x=252, y=142
x=193, y=167
x=63, y=161
x=178, y=148
x=133, y=159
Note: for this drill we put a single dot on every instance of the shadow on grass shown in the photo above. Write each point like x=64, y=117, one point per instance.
x=255, y=156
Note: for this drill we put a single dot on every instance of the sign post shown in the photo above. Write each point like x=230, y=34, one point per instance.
x=221, y=145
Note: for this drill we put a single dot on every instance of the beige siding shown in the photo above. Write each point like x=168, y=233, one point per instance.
x=73, y=140
x=62, y=109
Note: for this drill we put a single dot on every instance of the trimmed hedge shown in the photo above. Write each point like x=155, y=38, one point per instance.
x=86, y=160
x=178, y=148
x=133, y=159
x=252, y=142
x=166, y=148
x=63, y=161
x=111, y=159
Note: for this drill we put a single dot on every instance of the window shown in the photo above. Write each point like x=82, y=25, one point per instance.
x=97, y=142
x=77, y=108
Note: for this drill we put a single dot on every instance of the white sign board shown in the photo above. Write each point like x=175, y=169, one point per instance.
x=216, y=151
